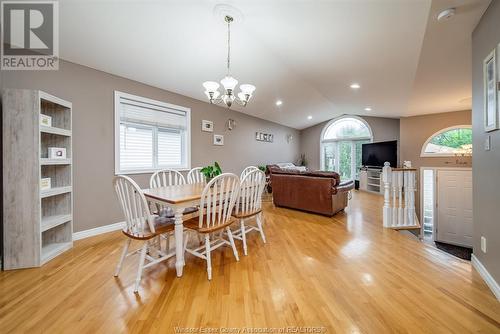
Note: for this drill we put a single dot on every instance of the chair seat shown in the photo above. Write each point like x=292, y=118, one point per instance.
x=168, y=212
x=162, y=225
x=240, y=214
x=194, y=224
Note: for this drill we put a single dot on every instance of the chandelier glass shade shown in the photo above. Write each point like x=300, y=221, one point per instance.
x=228, y=96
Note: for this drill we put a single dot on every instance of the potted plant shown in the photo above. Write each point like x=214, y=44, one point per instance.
x=302, y=160
x=211, y=171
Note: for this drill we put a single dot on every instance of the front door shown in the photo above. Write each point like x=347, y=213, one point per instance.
x=454, y=207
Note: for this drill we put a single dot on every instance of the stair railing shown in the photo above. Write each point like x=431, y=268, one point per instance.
x=399, y=197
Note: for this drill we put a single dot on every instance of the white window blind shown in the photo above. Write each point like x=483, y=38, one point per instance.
x=151, y=135
x=169, y=147
x=136, y=147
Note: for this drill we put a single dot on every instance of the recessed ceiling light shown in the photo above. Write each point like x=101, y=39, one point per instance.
x=368, y=109
x=309, y=117
x=279, y=102
x=355, y=86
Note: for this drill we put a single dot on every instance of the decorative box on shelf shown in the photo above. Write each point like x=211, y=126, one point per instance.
x=45, y=120
x=45, y=183
x=57, y=153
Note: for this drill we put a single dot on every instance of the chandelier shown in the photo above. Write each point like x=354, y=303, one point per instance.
x=228, y=82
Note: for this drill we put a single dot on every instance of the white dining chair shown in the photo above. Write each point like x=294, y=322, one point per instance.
x=216, y=205
x=141, y=225
x=195, y=176
x=249, y=206
x=166, y=178
x=247, y=170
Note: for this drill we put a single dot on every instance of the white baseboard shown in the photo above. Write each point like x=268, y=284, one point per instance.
x=98, y=230
x=490, y=281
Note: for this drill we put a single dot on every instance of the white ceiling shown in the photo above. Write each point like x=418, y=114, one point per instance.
x=444, y=80
x=305, y=53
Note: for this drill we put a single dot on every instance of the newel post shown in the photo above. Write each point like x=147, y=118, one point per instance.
x=386, y=178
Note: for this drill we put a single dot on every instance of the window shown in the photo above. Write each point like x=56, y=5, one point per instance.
x=150, y=135
x=341, y=142
x=449, y=142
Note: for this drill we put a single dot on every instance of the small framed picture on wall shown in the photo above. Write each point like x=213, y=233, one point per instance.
x=207, y=126
x=219, y=140
x=490, y=92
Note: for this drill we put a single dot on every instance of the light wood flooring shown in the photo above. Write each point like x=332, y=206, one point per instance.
x=315, y=275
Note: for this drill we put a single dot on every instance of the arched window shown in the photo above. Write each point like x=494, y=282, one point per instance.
x=449, y=142
x=341, y=141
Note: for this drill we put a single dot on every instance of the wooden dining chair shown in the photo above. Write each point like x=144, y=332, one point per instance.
x=195, y=176
x=249, y=206
x=247, y=170
x=166, y=178
x=141, y=225
x=216, y=205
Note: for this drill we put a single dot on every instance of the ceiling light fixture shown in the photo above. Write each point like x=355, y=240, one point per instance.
x=279, y=102
x=368, y=109
x=309, y=117
x=355, y=86
x=446, y=14
x=228, y=82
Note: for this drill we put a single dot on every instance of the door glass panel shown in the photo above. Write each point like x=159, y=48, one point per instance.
x=345, y=160
x=329, y=156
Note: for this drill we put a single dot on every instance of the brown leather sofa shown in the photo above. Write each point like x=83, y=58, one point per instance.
x=318, y=192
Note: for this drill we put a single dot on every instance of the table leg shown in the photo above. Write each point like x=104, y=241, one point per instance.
x=179, y=243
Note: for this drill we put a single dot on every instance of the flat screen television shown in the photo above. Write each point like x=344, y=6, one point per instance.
x=375, y=154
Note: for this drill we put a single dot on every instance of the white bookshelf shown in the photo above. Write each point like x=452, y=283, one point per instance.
x=370, y=179
x=38, y=224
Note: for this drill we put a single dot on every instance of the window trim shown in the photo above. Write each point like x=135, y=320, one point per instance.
x=117, y=96
x=326, y=141
x=423, y=154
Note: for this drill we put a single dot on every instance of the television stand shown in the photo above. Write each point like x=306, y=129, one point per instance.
x=370, y=180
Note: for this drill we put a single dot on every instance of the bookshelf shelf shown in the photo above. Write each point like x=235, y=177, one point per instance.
x=48, y=162
x=55, y=131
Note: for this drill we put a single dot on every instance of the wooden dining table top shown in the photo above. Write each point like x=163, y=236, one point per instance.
x=180, y=193
x=176, y=194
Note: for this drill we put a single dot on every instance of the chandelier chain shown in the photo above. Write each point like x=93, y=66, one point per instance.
x=228, y=46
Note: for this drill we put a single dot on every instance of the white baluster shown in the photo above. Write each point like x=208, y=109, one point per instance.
x=400, y=194
x=386, y=178
x=411, y=197
x=394, y=220
x=405, y=189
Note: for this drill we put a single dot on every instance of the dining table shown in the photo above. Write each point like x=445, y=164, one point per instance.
x=179, y=198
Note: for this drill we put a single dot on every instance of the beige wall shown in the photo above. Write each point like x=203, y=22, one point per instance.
x=486, y=171
x=383, y=129
x=91, y=93
x=414, y=131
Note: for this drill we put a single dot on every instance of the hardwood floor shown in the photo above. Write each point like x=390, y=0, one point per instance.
x=340, y=275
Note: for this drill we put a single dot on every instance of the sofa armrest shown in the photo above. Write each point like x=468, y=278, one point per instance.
x=345, y=186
